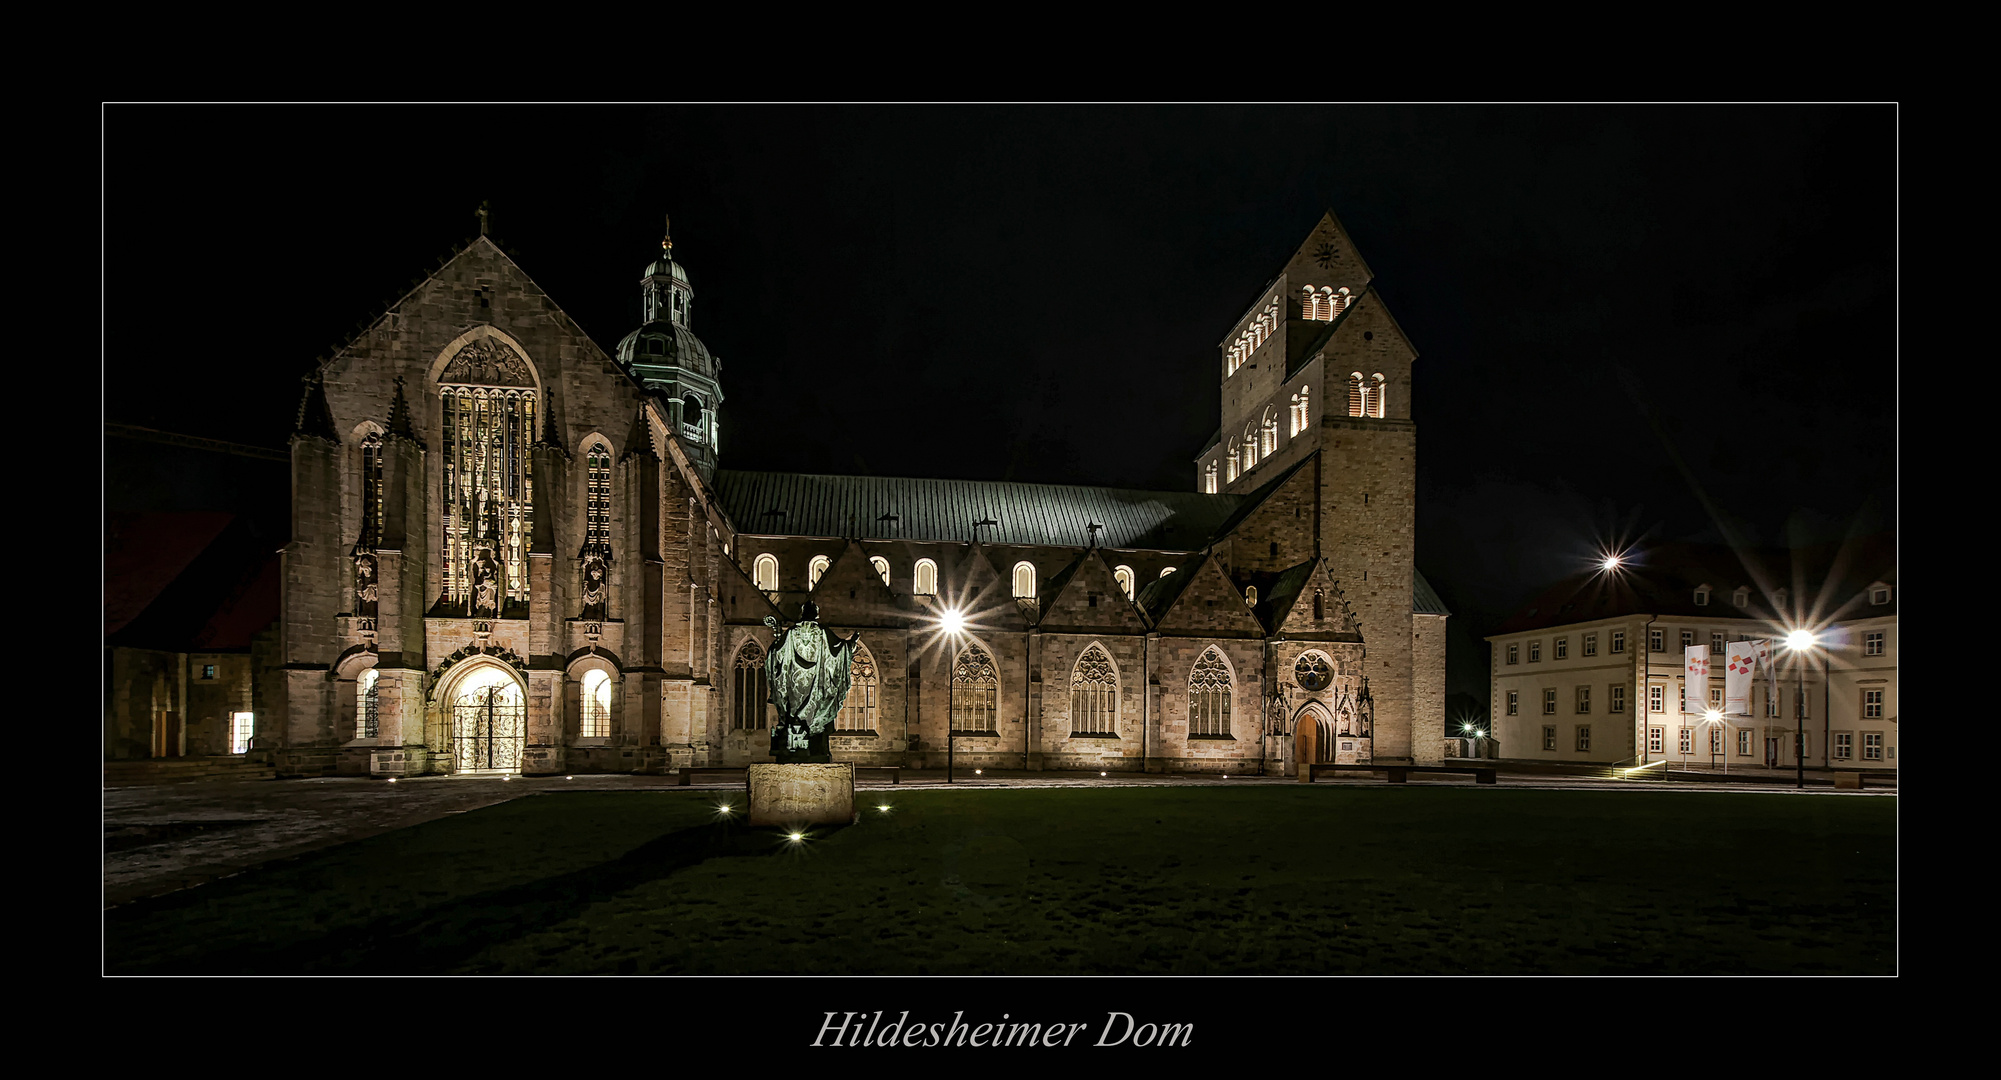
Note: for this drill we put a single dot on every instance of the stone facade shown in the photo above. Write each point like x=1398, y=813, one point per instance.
x=492, y=513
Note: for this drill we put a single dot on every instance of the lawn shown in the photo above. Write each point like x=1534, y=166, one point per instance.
x=1256, y=880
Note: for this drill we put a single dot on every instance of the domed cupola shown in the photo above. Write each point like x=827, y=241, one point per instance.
x=671, y=362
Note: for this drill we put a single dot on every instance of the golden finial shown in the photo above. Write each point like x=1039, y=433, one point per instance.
x=667, y=232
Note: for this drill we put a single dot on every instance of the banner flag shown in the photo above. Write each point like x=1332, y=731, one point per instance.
x=1762, y=649
x=1695, y=679
x=1737, y=678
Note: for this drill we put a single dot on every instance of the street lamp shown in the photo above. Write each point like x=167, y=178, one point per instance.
x=953, y=622
x=1798, y=642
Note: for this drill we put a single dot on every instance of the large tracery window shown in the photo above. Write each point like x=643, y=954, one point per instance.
x=487, y=401
x=1094, y=695
x=975, y=693
x=858, y=712
x=596, y=722
x=1209, y=696
x=597, y=512
x=371, y=490
x=752, y=688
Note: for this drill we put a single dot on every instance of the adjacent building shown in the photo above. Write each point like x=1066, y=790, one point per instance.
x=1592, y=670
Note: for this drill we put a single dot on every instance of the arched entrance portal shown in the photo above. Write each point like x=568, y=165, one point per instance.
x=489, y=722
x=1312, y=736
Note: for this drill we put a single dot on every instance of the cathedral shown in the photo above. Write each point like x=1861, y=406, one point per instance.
x=515, y=552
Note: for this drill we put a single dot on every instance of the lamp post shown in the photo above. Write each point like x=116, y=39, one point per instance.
x=1798, y=642
x=953, y=623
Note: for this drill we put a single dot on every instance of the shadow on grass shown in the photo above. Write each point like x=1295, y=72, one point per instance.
x=444, y=936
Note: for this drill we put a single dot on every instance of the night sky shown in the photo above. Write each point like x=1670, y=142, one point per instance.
x=1629, y=320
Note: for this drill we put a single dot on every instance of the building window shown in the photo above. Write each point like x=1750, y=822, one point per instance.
x=1167, y=571
x=924, y=578
x=1618, y=641
x=208, y=671
x=1615, y=695
x=1656, y=739
x=1378, y=395
x=1094, y=694
x=1687, y=741
x=1872, y=746
x=858, y=712
x=1716, y=647
x=1743, y=742
x=1716, y=740
x=1872, y=704
x=1657, y=699
x=1771, y=705
x=1687, y=638
x=1549, y=736
x=1844, y=745
x=596, y=698
x=1741, y=598
x=881, y=568
x=1583, y=701
x=814, y=569
x=597, y=495
x=1716, y=698
x=1231, y=475
x=753, y=689
x=371, y=490
x=1872, y=643
x=1514, y=653
x=1583, y=737
x=1269, y=446
x=488, y=516
x=1124, y=576
x=1562, y=648
x=1535, y=652
x=1549, y=701
x=1514, y=702
x=1209, y=696
x=1702, y=597
x=241, y=728
x=1590, y=645
x=1879, y=595
x=1209, y=479
x=1656, y=641
x=1024, y=581
x=766, y=574
x=367, y=706
x=975, y=693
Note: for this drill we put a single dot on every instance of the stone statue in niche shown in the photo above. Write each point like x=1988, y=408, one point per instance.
x=1365, y=712
x=364, y=586
x=808, y=672
x=485, y=582
x=595, y=560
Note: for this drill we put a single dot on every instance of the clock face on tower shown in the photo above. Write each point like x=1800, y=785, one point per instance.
x=1326, y=253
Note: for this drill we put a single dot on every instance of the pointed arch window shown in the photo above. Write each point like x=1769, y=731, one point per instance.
x=816, y=568
x=368, y=705
x=766, y=573
x=1024, y=581
x=752, y=689
x=1124, y=576
x=371, y=491
x=488, y=414
x=597, y=495
x=975, y=693
x=1209, y=696
x=596, y=720
x=881, y=567
x=924, y=578
x=858, y=712
x=1094, y=694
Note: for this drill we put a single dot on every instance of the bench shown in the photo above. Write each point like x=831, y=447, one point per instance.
x=1399, y=774
x=686, y=776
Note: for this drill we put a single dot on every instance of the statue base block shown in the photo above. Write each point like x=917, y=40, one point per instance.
x=802, y=794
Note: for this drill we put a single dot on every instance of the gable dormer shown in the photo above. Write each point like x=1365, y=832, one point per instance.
x=1702, y=592
x=1742, y=597
x=1879, y=593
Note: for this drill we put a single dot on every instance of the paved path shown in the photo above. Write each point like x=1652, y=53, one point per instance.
x=165, y=837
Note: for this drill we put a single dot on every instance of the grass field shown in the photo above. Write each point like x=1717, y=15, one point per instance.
x=1254, y=880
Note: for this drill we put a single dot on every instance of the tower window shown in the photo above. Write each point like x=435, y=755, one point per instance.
x=766, y=574
x=925, y=578
x=1124, y=576
x=488, y=414
x=1024, y=581
x=814, y=569
x=881, y=567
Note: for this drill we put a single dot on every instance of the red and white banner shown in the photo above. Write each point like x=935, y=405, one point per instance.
x=1695, y=679
x=1738, y=676
x=1762, y=649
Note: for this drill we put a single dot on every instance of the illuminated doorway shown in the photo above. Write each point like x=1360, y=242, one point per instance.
x=489, y=725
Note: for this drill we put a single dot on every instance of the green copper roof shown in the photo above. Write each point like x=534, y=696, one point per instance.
x=899, y=508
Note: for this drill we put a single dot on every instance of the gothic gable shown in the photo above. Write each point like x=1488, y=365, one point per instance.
x=1210, y=604
x=851, y=593
x=1328, y=256
x=1293, y=609
x=971, y=584
x=1086, y=598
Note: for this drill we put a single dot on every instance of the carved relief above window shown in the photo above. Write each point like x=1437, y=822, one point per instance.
x=487, y=362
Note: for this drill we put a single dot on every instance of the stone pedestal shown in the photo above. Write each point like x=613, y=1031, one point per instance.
x=802, y=794
x=399, y=761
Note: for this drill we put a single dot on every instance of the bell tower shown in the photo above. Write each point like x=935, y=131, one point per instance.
x=671, y=362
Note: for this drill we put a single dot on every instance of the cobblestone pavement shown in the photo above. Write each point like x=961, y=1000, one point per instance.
x=160, y=838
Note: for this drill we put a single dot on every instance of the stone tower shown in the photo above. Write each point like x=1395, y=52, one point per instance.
x=1317, y=365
